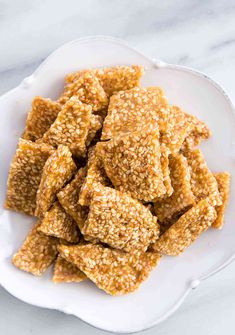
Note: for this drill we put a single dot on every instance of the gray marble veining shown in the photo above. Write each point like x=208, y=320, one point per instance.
x=195, y=33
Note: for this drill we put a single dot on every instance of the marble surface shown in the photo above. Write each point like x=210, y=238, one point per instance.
x=195, y=33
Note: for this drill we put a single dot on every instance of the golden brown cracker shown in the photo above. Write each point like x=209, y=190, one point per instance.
x=182, y=196
x=87, y=89
x=37, y=252
x=58, y=223
x=131, y=110
x=95, y=125
x=59, y=168
x=69, y=197
x=120, y=221
x=25, y=175
x=71, y=127
x=95, y=175
x=177, y=129
x=186, y=230
x=203, y=182
x=223, y=181
x=113, y=271
x=113, y=79
x=133, y=164
x=43, y=113
x=65, y=272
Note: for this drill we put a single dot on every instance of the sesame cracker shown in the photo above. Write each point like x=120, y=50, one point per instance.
x=129, y=110
x=25, y=175
x=66, y=272
x=96, y=123
x=199, y=132
x=182, y=197
x=40, y=118
x=120, y=221
x=37, y=252
x=95, y=175
x=69, y=196
x=186, y=230
x=87, y=89
x=114, y=79
x=113, y=271
x=223, y=181
x=71, y=127
x=177, y=129
x=203, y=182
x=132, y=163
x=58, y=223
x=59, y=168
x=165, y=170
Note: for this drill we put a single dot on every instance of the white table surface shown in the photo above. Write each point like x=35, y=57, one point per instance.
x=200, y=34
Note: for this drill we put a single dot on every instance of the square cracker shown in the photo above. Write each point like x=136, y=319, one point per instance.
x=66, y=272
x=131, y=110
x=59, y=168
x=133, y=164
x=223, y=181
x=186, y=230
x=37, y=252
x=182, y=197
x=40, y=118
x=114, y=79
x=87, y=89
x=58, y=223
x=25, y=175
x=69, y=196
x=71, y=127
x=177, y=129
x=95, y=175
x=203, y=182
x=113, y=271
x=120, y=221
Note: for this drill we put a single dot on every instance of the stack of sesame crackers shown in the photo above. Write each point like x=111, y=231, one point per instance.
x=114, y=176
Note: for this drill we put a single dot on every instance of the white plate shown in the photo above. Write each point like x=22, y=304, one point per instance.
x=173, y=279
